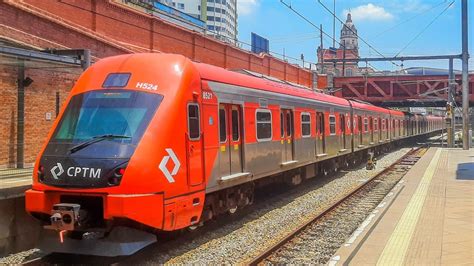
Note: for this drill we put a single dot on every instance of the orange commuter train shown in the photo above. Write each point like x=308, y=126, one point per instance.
x=156, y=142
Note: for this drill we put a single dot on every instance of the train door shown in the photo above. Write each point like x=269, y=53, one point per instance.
x=194, y=146
x=230, y=134
x=371, y=129
x=359, y=124
x=287, y=137
x=320, y=134
x=342, y=120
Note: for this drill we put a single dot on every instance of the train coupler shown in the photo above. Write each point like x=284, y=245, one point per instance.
x=64, y=217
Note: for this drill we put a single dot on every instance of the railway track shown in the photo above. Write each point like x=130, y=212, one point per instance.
x=316, y=240
x=64, y=258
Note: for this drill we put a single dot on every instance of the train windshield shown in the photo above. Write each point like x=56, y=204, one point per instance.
x=101, y=113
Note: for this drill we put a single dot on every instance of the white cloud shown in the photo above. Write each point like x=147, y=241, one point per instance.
x=369, y=12
x=246, y=7
x=414, y=6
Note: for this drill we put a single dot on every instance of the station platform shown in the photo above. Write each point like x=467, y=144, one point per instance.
x=427, y=219
x=14, y=182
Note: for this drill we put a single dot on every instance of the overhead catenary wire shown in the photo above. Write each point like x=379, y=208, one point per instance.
x=314, y=25
x=362, y=39
x=425, y=28
x=410, y=18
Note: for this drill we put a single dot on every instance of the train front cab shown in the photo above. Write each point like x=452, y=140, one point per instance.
x=154, y=181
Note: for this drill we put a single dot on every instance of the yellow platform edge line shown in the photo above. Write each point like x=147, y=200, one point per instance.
x=396, y=248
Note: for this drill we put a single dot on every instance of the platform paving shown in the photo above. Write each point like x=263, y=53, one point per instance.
x=14, y=182
x=427, y=220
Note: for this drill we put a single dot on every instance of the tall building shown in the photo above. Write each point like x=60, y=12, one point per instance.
x=348, y=48
x=220, y=15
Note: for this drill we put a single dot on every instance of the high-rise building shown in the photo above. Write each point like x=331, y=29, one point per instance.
x=220, y=15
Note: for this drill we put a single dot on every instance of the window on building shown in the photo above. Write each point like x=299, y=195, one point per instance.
x=264, y=125
x=349, y=72
x=180, y=5
x=332, y=125
x=210, y=18
x=193, y=121
x=305, y=125
x=210, y=8
x=210, y=27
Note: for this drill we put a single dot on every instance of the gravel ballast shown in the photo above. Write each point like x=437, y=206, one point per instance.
x=233, y=240
x=239, y=241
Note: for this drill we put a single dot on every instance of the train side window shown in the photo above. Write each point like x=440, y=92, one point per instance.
x=264, y=125
x=289, y=124
x=193, y=121
x=366, y=124
x=332, y=125
x=222, y=125
x=282, y=126
x=235, y=125
x=305, y=125
x=376, y=124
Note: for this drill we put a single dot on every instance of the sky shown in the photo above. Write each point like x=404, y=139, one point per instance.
x=390, y=27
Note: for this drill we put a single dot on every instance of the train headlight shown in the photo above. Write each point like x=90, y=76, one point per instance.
x=41, y=172
x=114, y=180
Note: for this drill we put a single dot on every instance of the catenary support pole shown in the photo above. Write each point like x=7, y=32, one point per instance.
x=321, y=47
x=20, y=123
x=450, y=105
x=465, y=82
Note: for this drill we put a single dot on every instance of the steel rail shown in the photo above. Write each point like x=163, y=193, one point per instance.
x=269, y=251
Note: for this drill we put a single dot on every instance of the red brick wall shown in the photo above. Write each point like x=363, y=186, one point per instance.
x=107, y=29
x=40, y=98
x=8, y=111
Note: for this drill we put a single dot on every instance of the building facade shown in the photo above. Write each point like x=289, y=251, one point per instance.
x=348, y=49
x=220, y=16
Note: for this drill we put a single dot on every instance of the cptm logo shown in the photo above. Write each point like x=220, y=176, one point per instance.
x=164, y=161
x=57, y=171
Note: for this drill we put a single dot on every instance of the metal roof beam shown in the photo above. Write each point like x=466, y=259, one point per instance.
x=37, y=55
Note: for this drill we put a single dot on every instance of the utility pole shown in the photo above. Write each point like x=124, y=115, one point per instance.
x=334, y=25
x=321, y=53
x=465, y=82
x=343, y=57
x=450, y=117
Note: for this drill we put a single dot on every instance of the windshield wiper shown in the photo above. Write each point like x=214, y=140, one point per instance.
x=96, y=139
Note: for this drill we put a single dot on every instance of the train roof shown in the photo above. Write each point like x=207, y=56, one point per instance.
x=218, y=74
